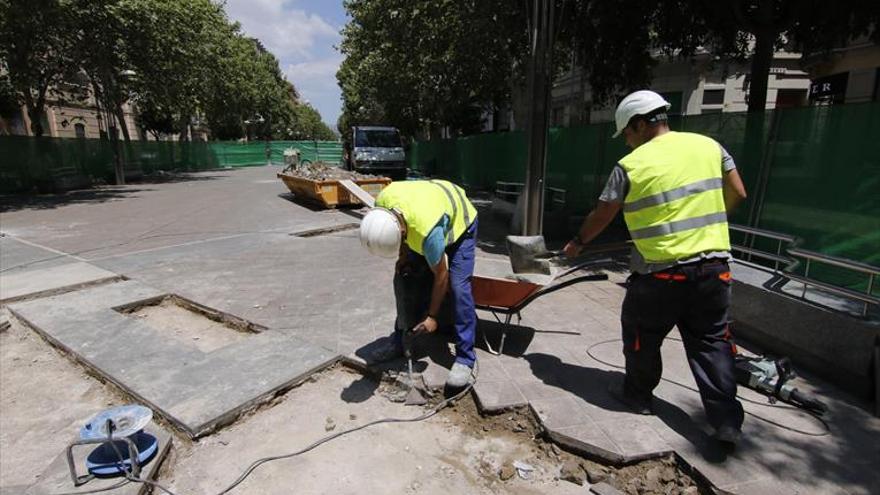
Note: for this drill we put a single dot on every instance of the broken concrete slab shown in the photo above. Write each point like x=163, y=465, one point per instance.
x=56, y=477
x=571, y=400
x=604, y=489
x=194, y=390
x=41, y=282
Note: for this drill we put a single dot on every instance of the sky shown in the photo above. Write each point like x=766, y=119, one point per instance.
x=302, y=34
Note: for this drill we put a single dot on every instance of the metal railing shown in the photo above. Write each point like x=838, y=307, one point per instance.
x=788, y=257
x=811, y=256
x=510, y=191
x=777, y=257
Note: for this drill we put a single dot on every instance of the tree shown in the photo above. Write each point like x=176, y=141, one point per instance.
x=310, y=126
x=248, y=85
x=172, y=46
x=35, y=51
x=424, y=64
x=618, y=39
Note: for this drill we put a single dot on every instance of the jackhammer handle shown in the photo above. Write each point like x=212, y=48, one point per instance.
x=808, y=402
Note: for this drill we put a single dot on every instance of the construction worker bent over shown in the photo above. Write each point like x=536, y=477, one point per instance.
x=675, y=189
x=431, y=227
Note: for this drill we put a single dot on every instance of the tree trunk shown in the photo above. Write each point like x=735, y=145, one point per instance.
x=184, y=128
x=120, y=118
x=35, y=114
x=760, y=71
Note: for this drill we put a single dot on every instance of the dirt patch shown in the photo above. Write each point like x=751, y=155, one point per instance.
x=184, y=322
x=322, y=171
x=44, y=399
x=661, y=476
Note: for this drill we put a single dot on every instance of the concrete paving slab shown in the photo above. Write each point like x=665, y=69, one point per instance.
x=18, y=254
x=567, y=387
x=56, y=477
x=498, y=395
x=40, y=282
x=223, y=242
x=195, y=391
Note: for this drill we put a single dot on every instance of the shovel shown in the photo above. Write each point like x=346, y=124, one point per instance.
x=529, y=253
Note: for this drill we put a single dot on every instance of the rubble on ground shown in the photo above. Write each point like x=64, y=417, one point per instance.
x=324, y=171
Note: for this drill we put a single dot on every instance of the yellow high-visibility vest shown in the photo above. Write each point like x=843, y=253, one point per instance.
x=675, y=205
x=423, y=203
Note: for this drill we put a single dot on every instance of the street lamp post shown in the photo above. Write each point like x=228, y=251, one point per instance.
x=537, y=124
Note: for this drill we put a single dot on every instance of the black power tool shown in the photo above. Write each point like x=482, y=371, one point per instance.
x=771, y=377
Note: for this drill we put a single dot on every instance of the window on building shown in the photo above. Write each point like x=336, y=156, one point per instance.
x=788, y=98
x=711, y=110
x=713, y=96
x=80, y=130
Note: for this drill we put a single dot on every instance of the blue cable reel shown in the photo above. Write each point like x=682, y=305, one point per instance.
x=120, y=436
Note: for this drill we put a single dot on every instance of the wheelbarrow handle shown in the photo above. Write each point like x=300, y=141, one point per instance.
x=547, y=289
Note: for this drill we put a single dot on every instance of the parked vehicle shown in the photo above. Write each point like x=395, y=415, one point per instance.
x=377, y=150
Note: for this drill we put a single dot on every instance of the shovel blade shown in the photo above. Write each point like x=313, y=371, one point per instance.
x=525, y=253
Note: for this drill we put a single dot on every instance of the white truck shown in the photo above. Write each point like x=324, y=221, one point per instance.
x=377, y=150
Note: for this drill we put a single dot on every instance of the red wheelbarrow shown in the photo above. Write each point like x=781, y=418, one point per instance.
x=506, y=297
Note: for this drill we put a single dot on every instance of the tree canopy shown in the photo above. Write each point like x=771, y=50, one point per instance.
x=182, y=62
x=422, y=63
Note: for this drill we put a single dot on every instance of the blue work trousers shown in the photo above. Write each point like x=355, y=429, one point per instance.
x=412, y=292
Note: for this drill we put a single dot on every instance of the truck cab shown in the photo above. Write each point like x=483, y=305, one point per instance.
x=377, y=150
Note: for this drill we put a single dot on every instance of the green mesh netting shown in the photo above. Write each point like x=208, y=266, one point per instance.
x=27, y=163
x=812, y=172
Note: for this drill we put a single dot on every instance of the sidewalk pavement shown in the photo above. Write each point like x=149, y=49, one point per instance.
x=224, y=241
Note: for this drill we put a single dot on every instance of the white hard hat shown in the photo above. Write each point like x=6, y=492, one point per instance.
x=638, y=103
x=380, y=233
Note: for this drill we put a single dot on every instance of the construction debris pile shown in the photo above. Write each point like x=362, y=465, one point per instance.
x=322, y=171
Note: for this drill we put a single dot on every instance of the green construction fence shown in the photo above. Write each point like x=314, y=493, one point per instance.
x=812, y=172
x=28, y=163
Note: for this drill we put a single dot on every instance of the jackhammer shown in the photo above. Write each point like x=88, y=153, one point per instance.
x=771, y=377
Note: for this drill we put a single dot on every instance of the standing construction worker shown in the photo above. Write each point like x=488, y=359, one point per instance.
x=438, y=227
x=675, y=189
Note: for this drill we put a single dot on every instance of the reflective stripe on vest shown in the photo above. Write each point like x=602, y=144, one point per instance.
x=675, y=206
x=464, y=210
x=423, y=203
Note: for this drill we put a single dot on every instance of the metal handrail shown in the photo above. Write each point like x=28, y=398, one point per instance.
x=791, y=263
x=865, y=298
x=764, y=233
x=776, y=258
x=835, y=261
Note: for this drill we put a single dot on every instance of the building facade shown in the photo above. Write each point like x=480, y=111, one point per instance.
x=849, y=74
x=699, y=85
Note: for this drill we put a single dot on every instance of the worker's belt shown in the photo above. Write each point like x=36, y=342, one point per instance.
x=674, y=274
x=678, y=277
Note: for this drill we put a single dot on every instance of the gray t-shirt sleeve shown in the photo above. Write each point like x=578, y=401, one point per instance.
x=727, y=163
x=616, y=187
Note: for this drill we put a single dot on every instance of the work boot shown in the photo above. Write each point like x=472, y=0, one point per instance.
x=460, y=376
x=728, y=435
x=634, y=404
x=386, y=350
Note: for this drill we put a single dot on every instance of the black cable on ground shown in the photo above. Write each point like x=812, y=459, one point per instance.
x=750, y=401
x=250, y=469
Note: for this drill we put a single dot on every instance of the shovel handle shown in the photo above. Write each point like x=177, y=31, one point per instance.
x=598, y=248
